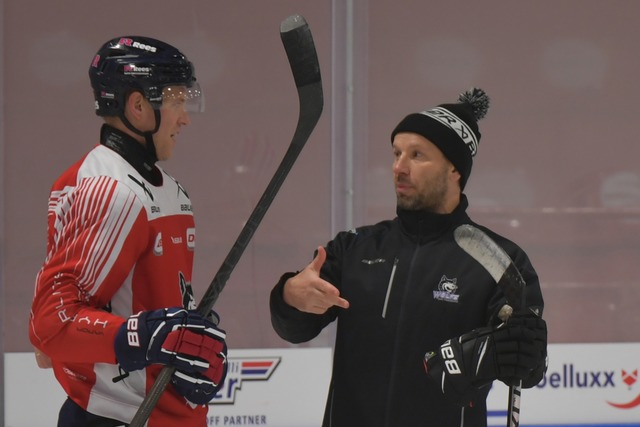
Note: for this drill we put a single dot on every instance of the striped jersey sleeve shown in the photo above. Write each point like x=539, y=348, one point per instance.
x=96, y=232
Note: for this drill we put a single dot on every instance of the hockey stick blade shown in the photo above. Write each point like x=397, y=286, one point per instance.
x=495, y=260
x=500, y=266
x=303, y=60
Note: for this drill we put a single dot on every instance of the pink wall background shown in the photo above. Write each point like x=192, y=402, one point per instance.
x=557, y=170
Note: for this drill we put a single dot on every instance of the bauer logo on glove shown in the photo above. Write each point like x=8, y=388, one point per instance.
x=510, y=353
x=449, y=358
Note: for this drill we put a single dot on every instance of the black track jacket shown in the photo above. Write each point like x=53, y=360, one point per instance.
x=410, y=288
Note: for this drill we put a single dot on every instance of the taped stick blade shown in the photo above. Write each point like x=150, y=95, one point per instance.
x=483, y=249
x=495, y=260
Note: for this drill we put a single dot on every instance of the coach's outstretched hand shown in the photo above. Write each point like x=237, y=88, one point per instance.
x=308, y=292
x=176, y=337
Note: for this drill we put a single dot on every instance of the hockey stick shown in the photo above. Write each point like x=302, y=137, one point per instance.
x=301, y=53
x=497, y=262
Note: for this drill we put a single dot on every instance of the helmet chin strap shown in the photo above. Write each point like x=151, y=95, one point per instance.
x=148, y=136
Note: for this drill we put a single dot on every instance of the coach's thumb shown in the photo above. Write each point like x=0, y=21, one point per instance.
x=320, y=258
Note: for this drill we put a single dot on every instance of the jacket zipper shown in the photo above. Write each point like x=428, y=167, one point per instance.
x=389, y=286
x=393, y=367
x=330, y=415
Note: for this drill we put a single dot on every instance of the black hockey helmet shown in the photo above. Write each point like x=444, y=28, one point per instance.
x=133, y=63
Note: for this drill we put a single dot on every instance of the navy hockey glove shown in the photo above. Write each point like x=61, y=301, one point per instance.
x=181, y=338
x=461, y=365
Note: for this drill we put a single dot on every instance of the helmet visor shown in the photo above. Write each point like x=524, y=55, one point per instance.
x=189, y=99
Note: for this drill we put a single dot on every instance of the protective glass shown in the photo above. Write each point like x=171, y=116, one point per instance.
x=190, y=99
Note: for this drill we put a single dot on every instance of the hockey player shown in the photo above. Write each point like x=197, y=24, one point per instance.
x=418, y=339
x=113, y=301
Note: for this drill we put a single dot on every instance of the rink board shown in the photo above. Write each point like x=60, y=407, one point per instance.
x=585, y=385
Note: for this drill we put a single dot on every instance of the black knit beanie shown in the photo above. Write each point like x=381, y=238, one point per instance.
x=453, y=128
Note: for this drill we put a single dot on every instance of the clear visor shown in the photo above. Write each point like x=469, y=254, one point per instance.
x=189, y=99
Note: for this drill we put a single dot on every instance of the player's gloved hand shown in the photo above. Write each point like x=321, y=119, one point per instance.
x=200, y=388
x=537, y=328
x=508, y=352
x=181, y=338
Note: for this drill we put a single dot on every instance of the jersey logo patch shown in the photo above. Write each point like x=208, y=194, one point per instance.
x=447, y=290
x=191, y=238
x=157, y=246
x=188, y=301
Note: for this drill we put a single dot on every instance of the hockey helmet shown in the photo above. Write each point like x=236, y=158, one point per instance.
x=133, y=63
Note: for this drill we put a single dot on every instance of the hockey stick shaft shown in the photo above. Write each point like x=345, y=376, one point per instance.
x=500, y=266
x=300, y=48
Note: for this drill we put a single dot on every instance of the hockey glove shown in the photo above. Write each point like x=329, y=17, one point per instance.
x=538, y=327
x=193, y=344
x=462, y=365
x=200, y=388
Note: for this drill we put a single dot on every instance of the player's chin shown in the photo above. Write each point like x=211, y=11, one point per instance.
x=165, y=153
x=167, y=148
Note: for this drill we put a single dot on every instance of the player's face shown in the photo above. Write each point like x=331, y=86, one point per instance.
x=173, y=115
x=424, y=178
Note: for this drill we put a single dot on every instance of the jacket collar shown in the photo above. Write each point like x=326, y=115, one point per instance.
x=422, y=223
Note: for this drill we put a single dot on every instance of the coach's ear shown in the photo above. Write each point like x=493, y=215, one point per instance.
x=454, y=175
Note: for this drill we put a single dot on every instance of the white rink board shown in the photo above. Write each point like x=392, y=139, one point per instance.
x=581, y=387
x=287, y=388
x=264, y=387
x=32, y=397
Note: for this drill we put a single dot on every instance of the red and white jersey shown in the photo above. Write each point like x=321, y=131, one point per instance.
x=116, y=245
